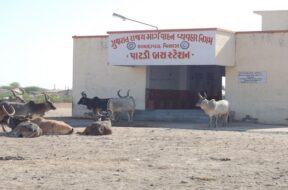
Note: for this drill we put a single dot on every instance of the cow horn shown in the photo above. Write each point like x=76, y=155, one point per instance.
x=200, y=95
x=84, y=94
x=205, y=95
x=46, y=97
x=10, y=114
x=22, y=90
x=17, y=96
x=14, y=92
x=123, y=96
x=99, y=114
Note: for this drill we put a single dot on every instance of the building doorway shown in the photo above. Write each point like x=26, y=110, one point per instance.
x=177, y=87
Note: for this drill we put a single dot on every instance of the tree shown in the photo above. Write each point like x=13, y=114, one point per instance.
x=15, y=85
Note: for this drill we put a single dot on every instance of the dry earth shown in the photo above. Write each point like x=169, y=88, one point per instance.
x=156, y=156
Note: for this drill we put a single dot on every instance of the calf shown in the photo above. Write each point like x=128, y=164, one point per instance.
x=53, y=127
x=214, y=109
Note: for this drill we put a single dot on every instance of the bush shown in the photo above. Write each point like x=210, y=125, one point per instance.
x=34, y=93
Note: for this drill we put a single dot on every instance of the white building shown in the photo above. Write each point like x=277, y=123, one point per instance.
x=165, y=69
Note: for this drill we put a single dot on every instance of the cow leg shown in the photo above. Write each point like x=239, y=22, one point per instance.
x=116, y=116
x=4, y=130
x=128, y=116
x=132, y=115
x=210, y=121
x=112, y=115
x=225, y=119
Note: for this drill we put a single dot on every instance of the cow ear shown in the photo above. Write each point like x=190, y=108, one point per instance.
x=84, y=94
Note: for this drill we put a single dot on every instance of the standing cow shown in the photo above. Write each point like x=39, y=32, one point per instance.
x=32, y=108
x=122, y=104
x=111, y=105
x=95, y=104
x=214, y=109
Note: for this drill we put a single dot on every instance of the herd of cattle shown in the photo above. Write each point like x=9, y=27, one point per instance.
x=25, y=119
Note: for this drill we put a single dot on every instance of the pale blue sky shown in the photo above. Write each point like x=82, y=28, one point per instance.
x=36, y=46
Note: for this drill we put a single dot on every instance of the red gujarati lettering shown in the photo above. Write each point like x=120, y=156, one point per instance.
x=156, y=55
x=140, y=55
x=188, y=37
x=174, y=54
x=159, y=55
x=119, y=41
x=167, y=36
x=152, y=36
x=183, y=55
x=205, y=39
x=137, y=37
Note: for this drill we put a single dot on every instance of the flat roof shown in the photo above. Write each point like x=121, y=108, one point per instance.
x=171, y=30
x=180, y=30
x=262, y=31
x=92, y=36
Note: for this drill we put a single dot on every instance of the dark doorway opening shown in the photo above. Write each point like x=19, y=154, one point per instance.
x=177, y=87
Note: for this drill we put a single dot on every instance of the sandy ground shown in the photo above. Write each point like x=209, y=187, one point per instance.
x=141, y=156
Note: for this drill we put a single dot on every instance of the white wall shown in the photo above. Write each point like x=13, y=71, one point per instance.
x=274, y=20
x=225, y=48
x=92, y=74
x=260, y=52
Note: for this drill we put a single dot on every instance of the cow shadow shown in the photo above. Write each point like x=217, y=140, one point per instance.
x=231, y=127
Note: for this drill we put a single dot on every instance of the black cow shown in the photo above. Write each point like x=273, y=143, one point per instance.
x=95, y=104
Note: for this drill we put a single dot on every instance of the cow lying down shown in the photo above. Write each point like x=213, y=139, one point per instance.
x=53, y=127
x=21, y=127
x=26, y=127
x=100, y=127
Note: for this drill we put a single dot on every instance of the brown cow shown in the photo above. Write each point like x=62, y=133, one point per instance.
x=100, y=127
x=53, y=127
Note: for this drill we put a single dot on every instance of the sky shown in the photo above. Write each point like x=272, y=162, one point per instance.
x=36, y=45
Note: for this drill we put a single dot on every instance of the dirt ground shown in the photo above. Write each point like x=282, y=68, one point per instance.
x=150, y=155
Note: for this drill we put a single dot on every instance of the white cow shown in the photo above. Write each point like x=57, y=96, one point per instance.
x=122, y=104
x=214, y=109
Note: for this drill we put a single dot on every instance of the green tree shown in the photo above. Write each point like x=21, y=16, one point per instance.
x=15, y=85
